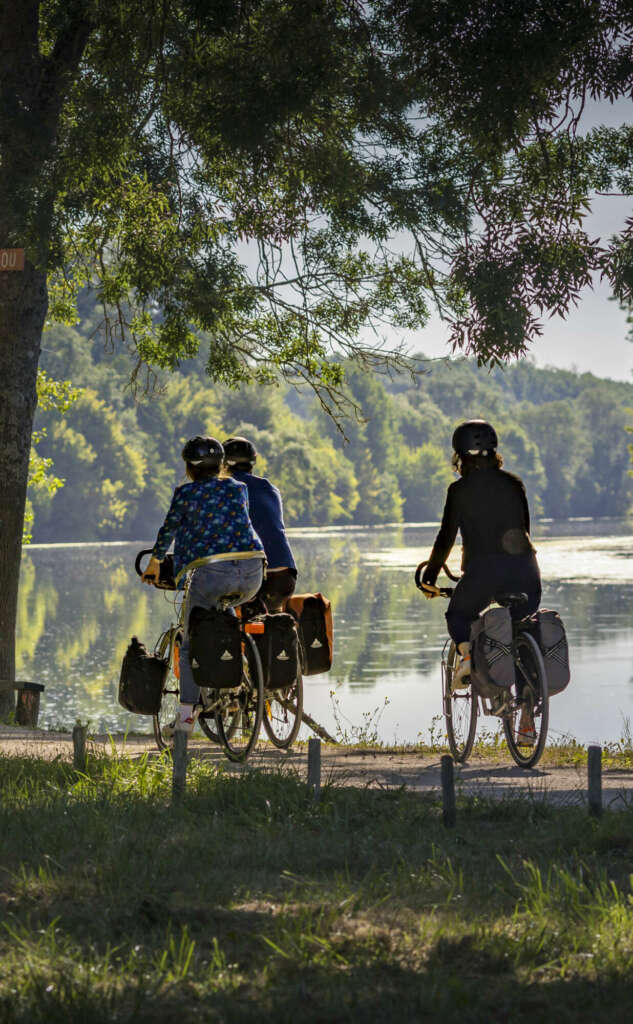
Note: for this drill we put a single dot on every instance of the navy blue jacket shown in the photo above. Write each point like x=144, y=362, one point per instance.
x=267, y=516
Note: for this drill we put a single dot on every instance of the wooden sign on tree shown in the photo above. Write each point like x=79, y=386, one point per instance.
x=11, y=259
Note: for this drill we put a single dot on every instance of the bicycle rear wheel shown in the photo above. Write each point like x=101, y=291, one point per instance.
x=208, y=724
x=460, y=711
x=283, y=711
x=533, y=696
x=249, y=701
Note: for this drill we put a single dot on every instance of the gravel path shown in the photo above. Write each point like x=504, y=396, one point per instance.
x=498, y=777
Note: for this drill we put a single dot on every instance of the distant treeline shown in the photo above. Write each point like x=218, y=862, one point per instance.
x=564, y=433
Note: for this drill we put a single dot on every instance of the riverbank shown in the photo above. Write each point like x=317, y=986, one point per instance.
x=247, y=902
x=560, y=777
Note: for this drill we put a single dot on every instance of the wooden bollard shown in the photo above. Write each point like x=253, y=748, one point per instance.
x=448, y=790
x=179, y=754
x=594, y=780
x=79, y=747
x=314, y=767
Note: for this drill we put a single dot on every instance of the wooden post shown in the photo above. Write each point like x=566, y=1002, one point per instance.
x=79, y=747
x=179, y=754
x=314, y=767
x=448, y=790
x=594, y=780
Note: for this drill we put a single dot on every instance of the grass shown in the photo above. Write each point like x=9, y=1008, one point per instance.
x=246, y=902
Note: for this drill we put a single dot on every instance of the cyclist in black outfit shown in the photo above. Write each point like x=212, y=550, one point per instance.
x=489, y=507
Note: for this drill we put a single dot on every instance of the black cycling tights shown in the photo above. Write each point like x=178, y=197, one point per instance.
x=483, y=581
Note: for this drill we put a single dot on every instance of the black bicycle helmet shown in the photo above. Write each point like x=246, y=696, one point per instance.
x=203, y=451
x=474, y=437
x=238, y=450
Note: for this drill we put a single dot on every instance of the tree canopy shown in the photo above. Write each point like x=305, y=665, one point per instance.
x=241, y=168
x=289, y=176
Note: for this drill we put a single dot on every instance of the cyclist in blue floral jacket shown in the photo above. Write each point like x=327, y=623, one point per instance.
x=209, y=523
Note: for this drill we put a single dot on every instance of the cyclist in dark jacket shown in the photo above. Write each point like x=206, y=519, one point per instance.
x=489, y=507
x=266, y=512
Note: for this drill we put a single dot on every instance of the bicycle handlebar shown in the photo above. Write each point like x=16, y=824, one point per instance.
x=165, y=579
x=138, y=559
x=444, y=591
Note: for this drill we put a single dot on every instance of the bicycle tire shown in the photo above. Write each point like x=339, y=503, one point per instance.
x=460, y=712
x=208, y=721
x=530, y=664
x=239, y=745
x=170, y=699
x=283, y=711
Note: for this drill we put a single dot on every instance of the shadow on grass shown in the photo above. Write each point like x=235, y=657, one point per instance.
x=249, y=902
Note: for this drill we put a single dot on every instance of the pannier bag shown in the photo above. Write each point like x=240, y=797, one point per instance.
x=491, y=652
x=215, y=648
x=313, y=613
x=142, y=680
x=551, y=638
x=278, y=648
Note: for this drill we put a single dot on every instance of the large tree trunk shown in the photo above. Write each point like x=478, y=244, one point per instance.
x=23, y=304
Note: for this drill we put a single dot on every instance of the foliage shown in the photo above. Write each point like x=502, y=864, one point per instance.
x=52, y=395
x=242, y=169
x=563, y=433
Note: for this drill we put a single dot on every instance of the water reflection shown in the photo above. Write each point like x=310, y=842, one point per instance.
x=79, y=606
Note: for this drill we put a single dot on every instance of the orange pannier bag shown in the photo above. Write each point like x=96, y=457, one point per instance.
x=313, y=613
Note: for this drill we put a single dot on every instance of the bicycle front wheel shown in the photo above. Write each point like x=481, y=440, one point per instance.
x=530, y=706
x=248, y=709
x=165, y=721
x=460, y=711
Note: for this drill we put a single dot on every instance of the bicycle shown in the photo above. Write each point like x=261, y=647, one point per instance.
x=529, y=691
x=236, y=712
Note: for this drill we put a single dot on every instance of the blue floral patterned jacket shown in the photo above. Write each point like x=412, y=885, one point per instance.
x=207, y=517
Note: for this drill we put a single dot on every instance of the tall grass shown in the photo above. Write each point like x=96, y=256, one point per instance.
x=247, y=902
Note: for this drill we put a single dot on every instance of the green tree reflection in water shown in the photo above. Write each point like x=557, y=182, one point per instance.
x=80, y=605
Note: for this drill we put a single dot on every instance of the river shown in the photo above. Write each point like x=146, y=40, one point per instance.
x=79, y=604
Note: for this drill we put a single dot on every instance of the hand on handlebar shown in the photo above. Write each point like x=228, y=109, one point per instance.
x=430, y=590
x=151, y=575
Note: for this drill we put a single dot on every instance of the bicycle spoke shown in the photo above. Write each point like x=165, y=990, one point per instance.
x=525, y=725
x=460, y=711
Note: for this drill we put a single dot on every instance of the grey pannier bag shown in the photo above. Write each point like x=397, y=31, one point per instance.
x=491, y=652
x=551, y=638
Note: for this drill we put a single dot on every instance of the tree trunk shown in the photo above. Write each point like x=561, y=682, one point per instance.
x=23, y=305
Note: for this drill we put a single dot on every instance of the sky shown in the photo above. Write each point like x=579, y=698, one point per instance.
x=594, y=336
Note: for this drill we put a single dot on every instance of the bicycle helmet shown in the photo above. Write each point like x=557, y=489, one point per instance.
x=203, y=451
x=474, y=437
x=238, y=450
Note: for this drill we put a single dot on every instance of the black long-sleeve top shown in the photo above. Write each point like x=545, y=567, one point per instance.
x=489, y=507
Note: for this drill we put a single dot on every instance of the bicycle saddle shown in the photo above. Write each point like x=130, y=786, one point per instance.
x=508, y=600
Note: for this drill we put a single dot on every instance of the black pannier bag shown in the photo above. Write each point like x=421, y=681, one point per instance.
x=314, y=616
x=493, y=669
x=215, y=648
x=549, y=634
x=142, y=680
x=278, y=648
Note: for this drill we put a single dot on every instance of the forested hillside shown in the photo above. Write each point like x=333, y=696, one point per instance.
x=564, y=433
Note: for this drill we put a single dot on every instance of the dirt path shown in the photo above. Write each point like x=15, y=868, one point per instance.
x=497, y=777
